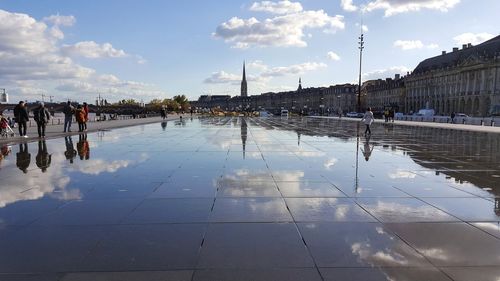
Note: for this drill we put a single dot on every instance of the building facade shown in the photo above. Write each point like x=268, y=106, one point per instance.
x=382, y=94
x=466, y=80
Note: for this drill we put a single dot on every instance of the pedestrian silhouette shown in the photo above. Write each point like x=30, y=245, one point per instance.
x=70, y=152
x=43, y=158
x=23, y=158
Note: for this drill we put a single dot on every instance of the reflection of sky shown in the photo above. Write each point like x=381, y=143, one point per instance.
x=17, y=186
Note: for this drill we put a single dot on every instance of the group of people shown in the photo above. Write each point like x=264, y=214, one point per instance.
x=42, y=117
x=389, y=115
x=81, y=113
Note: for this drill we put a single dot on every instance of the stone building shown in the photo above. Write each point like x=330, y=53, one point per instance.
x=381, y=94
x=465, y=80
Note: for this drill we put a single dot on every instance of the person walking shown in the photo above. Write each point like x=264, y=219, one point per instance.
x=86, y=111
x=21, y=115
x=42, y=117
x=368, y=120
x=80, y=117
x=452, y=117
x=68, y=116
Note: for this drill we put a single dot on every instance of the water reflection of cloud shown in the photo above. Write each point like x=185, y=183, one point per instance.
x=407, y=211
x=98, y=166
x=330, y=163
x=35, y=184
x=401, y=174
x=366, y=253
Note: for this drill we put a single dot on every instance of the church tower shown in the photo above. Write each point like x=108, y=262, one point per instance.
x=244, y=92
x=300, y=85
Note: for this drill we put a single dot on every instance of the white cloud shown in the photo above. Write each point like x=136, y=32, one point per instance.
x=333, y=56
x=413, y=44
x=348, y=6
x=385, y=73
x=293, y=69
x=222, y=77
x=282, y=7
x=364, y=27
x=60, y=20
x=392, y=7
x=93, y=50
x=473, y=38
x=280, y=31
x=33, y=63
x=257, y=65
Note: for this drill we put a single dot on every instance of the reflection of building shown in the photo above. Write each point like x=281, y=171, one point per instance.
x=243, y=135
x=465, y=80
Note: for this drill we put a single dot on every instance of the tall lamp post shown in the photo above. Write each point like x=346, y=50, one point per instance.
x=361, y=47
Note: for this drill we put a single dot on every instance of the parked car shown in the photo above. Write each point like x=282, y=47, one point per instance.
x=463, y=115
x=284, y=113
x=355, y=114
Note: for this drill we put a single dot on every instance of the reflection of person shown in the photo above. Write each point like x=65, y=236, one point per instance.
x=83, y=147
x=5, y=151
x=164, y=125
x=368, y=120
x=43, y=158
x=23, y=158
x=42, y=117
x=70, y=152
x=21, y=115
x=367, y=149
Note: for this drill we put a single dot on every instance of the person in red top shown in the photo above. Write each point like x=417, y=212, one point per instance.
x=86, y=111
x=80, y=117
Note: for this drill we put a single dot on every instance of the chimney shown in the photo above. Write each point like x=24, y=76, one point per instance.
x=469, y=45
x=455, y=49
x=443, y=52
x=396, y=77
x=464, y=46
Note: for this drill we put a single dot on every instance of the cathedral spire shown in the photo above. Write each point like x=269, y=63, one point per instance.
x=244, y=82
x=300, y=85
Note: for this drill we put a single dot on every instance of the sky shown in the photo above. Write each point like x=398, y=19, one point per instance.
x=131, y=49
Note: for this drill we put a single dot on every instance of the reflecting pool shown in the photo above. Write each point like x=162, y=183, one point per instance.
x=235, y=198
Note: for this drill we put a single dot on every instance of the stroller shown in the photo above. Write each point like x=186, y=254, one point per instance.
x=5, y=129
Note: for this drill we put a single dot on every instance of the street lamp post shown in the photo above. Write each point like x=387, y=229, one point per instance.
x=361, y=47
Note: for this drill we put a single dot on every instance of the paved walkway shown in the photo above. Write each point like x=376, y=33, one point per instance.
x=475, y=128
x=54, y=131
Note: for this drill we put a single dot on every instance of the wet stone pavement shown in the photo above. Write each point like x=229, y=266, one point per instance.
x=253, y=199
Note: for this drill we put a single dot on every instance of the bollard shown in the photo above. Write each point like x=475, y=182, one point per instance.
x=463, y=121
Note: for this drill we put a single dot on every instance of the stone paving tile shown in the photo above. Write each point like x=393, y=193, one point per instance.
x=473, y=273
x=250, y=210
x=153, y=211
x=327, y=209
x=31, y=277
x=467, y=209
x=255, y=245
x=403, y=210
x=358, y=245
x=450, y=244
x=147, y=247
x=48, y=249
x=289, y=274
x=180, y=275
x=308, y=189
x=90, y=212
x=384, y=274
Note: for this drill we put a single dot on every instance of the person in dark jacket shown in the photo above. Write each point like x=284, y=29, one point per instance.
x=21, y=115
x=23, y=158
x=43, y=158
x=68, y=116
x=42, y=117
